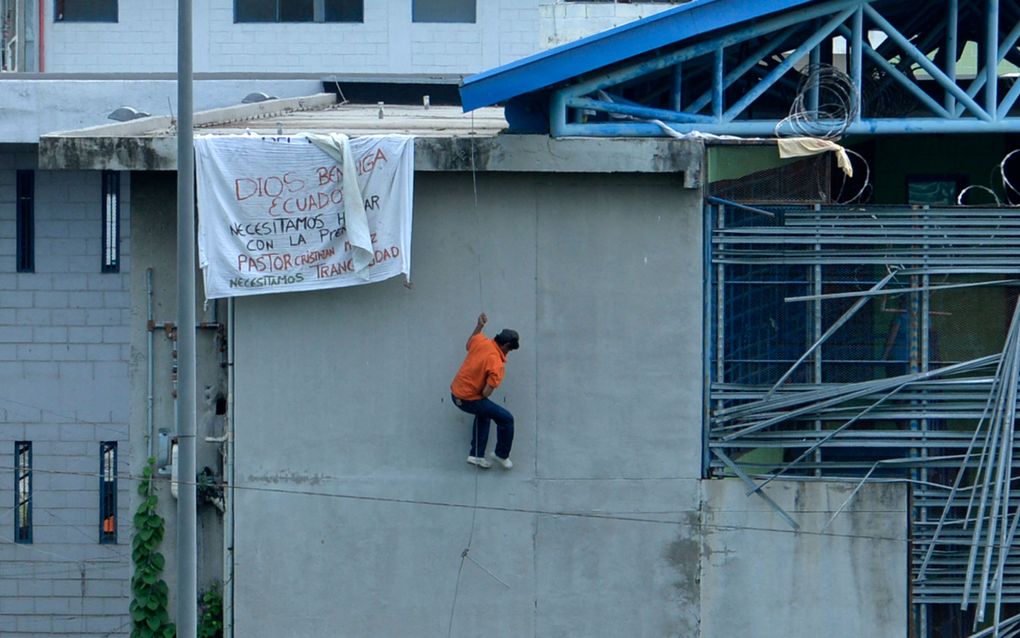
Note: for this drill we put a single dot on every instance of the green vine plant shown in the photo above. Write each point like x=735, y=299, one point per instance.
x=210, y=613
x=149, y=592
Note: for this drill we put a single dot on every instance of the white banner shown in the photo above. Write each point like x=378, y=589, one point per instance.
x=302, y=212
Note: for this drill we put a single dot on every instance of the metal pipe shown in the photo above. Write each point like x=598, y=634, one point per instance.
x=949, y=60
x=781, y=69
x=187, y=546
x=150, y=328
x=718, y=90
x=899, y=77
x=992, y=56
x=851, y=311
x=738, y=71
x=228, y=493
x=676, y=97
x=922, y=60
x=857, y=60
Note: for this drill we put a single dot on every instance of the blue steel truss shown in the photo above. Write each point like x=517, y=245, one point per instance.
x=741, y=75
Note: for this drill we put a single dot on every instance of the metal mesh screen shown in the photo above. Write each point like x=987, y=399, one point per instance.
x=863, y=342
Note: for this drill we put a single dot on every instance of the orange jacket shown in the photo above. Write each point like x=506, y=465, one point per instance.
x=484, y=364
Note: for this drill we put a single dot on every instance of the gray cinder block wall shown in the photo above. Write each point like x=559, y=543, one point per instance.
x=64, y=356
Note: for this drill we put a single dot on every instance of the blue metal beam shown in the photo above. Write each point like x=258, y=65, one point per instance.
x=786, y=65
x=991, y=57
x=949, y=59
x=1005, y=46
x=766, y=128
x=548, y=68
x=896, y=74
x=922, y=60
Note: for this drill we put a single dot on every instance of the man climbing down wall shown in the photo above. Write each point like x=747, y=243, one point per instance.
x=480, y=374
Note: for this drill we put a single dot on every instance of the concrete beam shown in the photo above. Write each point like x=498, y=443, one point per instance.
x=500, y=153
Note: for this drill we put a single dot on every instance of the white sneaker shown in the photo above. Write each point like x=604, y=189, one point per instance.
x=479, y=461
x=506, y=463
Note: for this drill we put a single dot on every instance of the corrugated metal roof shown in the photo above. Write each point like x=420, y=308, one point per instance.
x=563, y=63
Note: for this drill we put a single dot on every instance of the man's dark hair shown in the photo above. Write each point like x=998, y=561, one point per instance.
x=508, y=337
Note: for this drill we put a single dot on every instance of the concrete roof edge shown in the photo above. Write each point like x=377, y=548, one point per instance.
x=497, y=153
x=147, y=125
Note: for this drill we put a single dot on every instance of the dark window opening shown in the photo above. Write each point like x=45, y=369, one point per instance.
x=22, y=492
x=443, y=11
x=25, y=256
x=108, y=492
x=299, y=10
x=85, y=11
x=111, y=221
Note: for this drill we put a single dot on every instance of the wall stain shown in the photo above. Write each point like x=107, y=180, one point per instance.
x=291, y=477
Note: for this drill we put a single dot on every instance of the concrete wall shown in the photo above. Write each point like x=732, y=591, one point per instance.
x=64, y=358
x=761, y=578
x=35, y=107
x=345, y=392
x=145, y=39
x=155, y=230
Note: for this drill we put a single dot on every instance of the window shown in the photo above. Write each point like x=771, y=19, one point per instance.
x=85, y=11
x=443, y=11
x=111, y=221
x=25, y=222
x=23, y=492
x=299, y=10
x=108, y=492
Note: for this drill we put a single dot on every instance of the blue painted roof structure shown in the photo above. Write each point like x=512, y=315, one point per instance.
x=562, y=63
x=769, y=67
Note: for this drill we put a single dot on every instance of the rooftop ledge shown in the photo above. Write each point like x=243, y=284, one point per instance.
x=447, y=140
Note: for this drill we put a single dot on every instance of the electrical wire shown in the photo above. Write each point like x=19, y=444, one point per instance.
x=628, y=518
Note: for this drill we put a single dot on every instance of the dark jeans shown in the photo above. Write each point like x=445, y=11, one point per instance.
x=484, y=411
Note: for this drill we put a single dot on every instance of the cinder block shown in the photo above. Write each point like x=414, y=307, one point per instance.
x=34, y=281
x=15, y=334
x=103, y=317
x=67, y=316
x=111, y=370
x=50, y=335
x=51, y=299
x=70, y=281
x=40, y=370
x=69, y=352
x=107, y=281
x=116, y=334
x=34, y=624
x=76, y=370
x=35, y=352
x=34, y=316
x=103, y=352
x=19, y=299
x=85, y=335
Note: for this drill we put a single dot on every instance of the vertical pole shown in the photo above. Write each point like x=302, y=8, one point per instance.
x=814, y=92
x=677, y=97
x=816, y=320
x=187, y=546
x=992, y=59
x=949, y=63
x=718, y=80
x=856, y=58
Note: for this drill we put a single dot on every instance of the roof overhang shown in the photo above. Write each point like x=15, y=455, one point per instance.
x=446, y=140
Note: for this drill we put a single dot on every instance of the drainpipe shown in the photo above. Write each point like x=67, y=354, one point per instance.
x=150, y=400
x=42, y=36
x=228, y=476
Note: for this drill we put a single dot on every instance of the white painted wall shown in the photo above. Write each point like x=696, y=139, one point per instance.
x=565, y=22
x=144, y=40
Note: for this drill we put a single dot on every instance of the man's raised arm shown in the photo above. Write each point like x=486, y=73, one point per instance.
x=482, y=320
